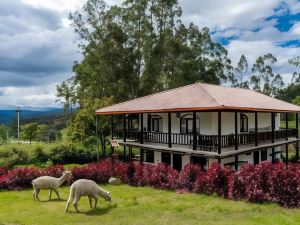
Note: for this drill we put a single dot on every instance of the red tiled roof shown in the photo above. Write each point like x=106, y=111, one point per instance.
x=201, y=97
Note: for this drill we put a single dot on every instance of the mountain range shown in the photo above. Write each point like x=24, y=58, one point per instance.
x=8, y=116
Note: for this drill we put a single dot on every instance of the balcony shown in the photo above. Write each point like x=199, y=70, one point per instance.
x=208, y=143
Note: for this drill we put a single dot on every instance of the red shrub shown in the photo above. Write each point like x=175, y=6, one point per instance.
x=54, y=171
x=218, y=178
x=160, y=176
x=120, y=170
x=202, y=184
x=20, y=178
x=188, y=176
x=99, y=172
x=285, y=187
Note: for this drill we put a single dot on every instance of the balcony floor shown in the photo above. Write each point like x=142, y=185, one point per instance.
x=226, y=152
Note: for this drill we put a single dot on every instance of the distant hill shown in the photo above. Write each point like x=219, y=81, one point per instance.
x=8, y=116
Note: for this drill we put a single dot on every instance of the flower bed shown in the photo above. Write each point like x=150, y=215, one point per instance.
x=265, y=182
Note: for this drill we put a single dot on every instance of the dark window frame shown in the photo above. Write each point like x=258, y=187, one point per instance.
x=186, y=118
x=244, y=122
x=158, y=120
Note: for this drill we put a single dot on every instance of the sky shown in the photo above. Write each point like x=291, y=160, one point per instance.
x=38, y=46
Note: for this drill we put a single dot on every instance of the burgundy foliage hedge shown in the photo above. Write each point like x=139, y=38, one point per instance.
x=265, y=182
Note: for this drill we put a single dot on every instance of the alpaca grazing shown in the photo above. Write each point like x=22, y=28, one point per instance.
x=88, y=188
x=49, y=183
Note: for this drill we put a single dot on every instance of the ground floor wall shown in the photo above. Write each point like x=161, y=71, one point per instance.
x=179, y=160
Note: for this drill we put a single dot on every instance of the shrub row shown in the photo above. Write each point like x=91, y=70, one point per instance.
x=265, y=182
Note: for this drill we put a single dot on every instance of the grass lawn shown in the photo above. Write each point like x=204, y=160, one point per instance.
x=138, y=205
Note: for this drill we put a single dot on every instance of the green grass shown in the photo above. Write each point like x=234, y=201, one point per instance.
x=138, y=205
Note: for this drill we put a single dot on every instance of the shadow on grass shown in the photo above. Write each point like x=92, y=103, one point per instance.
x=97, y=211
x=54, y=200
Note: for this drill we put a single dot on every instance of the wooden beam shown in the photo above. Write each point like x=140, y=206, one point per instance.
x=124, y=127
x=141, y=155
x=236, y=141
x=97, y=139
x=256, y=128
x=273, y=126
x=142, y=129
x=286, y=155
x=286, y=126
x=169, y=130
x=124, y=153
x=297, y=136
x=194, y=131
x=273, y=135
x=112, y=131
x=219, y=132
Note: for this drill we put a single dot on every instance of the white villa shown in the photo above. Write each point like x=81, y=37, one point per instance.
x=204, y=123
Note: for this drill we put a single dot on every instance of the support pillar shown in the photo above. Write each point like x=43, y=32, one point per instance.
x=169, y=130
x=124, y=127
x=256, y=129
x=97, y=138
x=236, y=140
x=273, y=135
x=286, y=127
x=142, y=129
x=124, y=153
x=141, y=155
x=194, y=131
x=219, y=132
x=286, y=155
x=112, y=132
x=297, y=136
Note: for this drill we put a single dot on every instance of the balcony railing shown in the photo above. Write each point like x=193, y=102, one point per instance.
x=205, y=142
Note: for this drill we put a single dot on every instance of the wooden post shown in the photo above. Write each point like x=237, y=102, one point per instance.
x=286, y=127
x=286, y=155
x=297, y=136
x=219, y=132
x=97, y=138
x=124, y=127
x=112, y=131
x=141, y=155
x=236, y=140
x=256, y=129
x=124, y=153
x=142, y=129
x=194, y=131
x=169, y=130
x=273, y=135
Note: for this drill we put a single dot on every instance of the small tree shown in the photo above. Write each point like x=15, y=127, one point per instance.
x=29, y=131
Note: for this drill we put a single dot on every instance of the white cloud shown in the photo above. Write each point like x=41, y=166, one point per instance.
x=220, y=14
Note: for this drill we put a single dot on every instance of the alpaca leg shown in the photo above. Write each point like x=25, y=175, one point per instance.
x=37, y=191
x=50, y=194
x=90, y=201
x=69, y=201
x=33, y=195
x=56, y=192
x=75, y=203
x=96, y=200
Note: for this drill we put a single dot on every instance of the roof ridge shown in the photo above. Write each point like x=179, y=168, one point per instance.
x=146, y=96
x=217, y=99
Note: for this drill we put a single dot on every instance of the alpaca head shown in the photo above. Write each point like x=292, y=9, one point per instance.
x=67, y=174
x=108, y=197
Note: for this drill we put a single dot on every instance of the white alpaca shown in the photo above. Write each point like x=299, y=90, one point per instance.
x=88, y=188
x=49, y=183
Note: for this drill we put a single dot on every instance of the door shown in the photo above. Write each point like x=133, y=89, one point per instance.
x=196, y=160
x=166, y=158
x=256, y=157
x=177, y=162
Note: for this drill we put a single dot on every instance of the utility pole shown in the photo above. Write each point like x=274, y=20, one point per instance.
x=18, y=117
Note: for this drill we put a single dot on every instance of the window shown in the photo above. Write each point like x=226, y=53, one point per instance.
x=243, y=123
x=186, y=124
x=156, y=123
x=133, y=122
x=149, y=156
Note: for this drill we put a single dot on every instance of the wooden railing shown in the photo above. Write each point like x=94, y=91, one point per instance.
x=205, y=142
